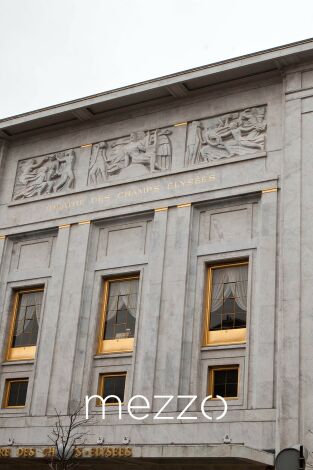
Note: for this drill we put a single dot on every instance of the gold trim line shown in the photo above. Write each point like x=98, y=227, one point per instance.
x=271, y=190
x=84, y=222
x=178, y=124
x=2, y=237
x=188, y=204
x=85, y=146
x=64, y=226
x=161, y=209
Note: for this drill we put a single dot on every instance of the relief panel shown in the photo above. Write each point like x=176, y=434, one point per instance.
x=138, y=154
x=230, y=135
x=44, y=175
x=143, y=153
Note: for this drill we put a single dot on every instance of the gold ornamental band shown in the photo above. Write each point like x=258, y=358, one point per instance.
x=270, y=190
x=84, y=222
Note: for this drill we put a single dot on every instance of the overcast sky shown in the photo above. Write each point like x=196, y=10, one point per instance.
x=53, y=51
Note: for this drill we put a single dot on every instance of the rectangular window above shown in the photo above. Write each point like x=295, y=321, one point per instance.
x=112, y=384
x=119, y=313
x=15, y=392
x=224, y=382
x=226, y=304
x=26, y=312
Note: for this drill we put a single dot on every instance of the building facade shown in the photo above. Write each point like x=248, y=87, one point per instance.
x=158, y=240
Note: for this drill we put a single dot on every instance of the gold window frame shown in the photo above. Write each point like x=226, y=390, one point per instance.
x=220, y=337
x=7, y=388
x=20, y=353
x=212, y=370
x=102, y=378
x=120, y=345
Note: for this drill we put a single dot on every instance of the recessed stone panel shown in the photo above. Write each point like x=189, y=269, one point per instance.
x=31, y=254
x=122, y=240
x=233, y=223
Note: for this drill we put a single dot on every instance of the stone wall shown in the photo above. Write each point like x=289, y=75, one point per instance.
x=164, y=191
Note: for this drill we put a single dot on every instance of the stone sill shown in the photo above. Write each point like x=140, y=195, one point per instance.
x=113, y=355
x=224, y=346
x=18, y=363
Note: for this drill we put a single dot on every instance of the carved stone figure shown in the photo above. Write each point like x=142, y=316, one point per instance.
x=139, y=154
x=45, y=175
x=164, y=150
x=194, y=142
x=233, y=134
x=97, y=165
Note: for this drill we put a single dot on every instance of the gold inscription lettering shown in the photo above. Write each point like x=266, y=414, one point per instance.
x=49, y=452
x=26, y=452
x=5, y=452
x=78, y=452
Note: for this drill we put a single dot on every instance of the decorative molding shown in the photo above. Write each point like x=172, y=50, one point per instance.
x=230, y=135
x=64, y=226
x=84, y=222
x=2, y=237
x=161, y=209
x=48, y=174
x=179, y=206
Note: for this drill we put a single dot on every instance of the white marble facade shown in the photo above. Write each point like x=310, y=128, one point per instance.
x=165, y=189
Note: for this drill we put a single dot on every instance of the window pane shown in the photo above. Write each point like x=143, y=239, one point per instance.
x=122, y=307
x=220, y=377
x=17, y=393
x=225, y=382
x=114, y=385
x=228, y=321
x=215, y=321
x=229, y=297
x=231, y=390
x=219, y=390
x=232, y=375
x=27, y=319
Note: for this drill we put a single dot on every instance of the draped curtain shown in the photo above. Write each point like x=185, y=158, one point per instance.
x=125, y=292
x=28, y=300
x=227, y=282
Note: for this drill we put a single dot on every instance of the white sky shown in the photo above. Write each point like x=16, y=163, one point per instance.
x=53, y=51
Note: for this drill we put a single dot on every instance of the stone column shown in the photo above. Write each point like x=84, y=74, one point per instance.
x=67, y=330
x=263, y=310
x=146, y=347
x=306, y=324
x=289, y=311
x=47, y=338
x=2, y=243
x=171, y=323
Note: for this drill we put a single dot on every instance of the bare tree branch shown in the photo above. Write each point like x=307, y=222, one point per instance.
x=66, y=438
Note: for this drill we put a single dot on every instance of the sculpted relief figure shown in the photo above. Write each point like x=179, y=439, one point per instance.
x=233, y=134
x=45, y=175
x=139, y=154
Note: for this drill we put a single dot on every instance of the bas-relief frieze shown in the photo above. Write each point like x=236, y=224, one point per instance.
x=45, y=175
x=143, y=153
x=231, y=135
x=138, y=154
